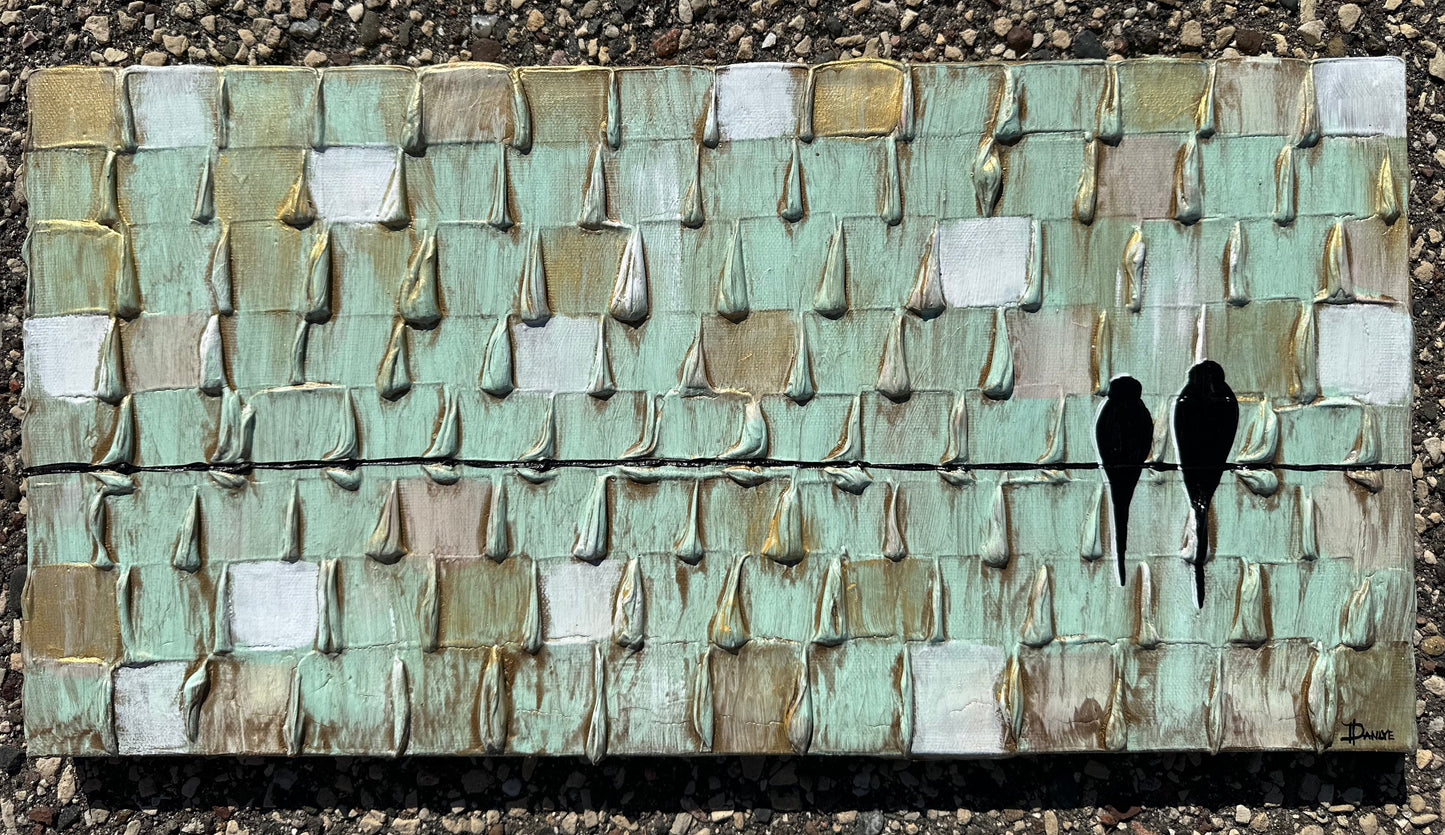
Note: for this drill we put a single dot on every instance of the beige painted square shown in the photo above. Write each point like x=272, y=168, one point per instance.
x=1066, y=691
x=1263, y=700
x=1378, y=257
x=1136, y=177
x=433, y=514
x=163, y=351
x=1052, y=351
x=1371, y=681
x=1258, y=96
x=467, y=103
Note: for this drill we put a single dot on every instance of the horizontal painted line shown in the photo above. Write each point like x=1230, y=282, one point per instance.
x=683, y=463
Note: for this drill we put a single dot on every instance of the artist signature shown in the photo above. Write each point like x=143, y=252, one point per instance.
x=1358, y=732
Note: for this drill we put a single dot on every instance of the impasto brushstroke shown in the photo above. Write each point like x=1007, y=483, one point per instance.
x=862, y=408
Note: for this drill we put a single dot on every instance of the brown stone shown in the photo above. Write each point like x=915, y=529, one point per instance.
x=486, y=49
x=665, y=46
x=1019, y=38
x=42, y=815
x=1249, y=41
x=1112, y=816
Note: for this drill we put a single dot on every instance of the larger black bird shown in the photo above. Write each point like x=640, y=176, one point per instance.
x=1124, y=431
x=1205, y=420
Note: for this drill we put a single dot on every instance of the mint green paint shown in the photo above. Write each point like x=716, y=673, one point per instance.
x=69, y=706
x=261, y=103
x=62, y=184
x=70, y=268
x=366, y=105
x=171, y=619
x=595, y=228
x=1058, y=96
x=151, y=182
x=856, y=707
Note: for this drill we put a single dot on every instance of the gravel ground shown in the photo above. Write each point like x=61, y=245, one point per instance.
x=1141, y=794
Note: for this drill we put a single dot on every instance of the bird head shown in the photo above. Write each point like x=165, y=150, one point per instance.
x=1125, y=388
x=1208, y=374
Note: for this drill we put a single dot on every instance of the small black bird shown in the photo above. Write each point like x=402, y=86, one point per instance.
x=1124, y=431
x=1205, y=419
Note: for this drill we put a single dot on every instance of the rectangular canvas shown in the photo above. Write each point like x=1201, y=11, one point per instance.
x=862, y=408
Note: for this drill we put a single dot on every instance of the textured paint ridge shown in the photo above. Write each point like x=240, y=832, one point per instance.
x=747, y=410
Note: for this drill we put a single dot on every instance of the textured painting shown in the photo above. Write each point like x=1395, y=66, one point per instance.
x=858, y=408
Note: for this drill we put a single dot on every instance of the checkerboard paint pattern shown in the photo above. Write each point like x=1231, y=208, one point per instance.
x=689, y=410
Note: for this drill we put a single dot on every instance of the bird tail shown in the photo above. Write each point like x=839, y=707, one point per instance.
x=1121, y=536
x=1201, y=551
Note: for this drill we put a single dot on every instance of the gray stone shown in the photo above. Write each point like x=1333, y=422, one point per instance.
x=368, y=29
x=305, y=29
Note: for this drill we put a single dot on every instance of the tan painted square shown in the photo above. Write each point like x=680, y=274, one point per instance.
x=857, y=98
x=481, y=602
x=55, y=594
x=1258, y=96
x=163, y=352
x=568, y=104
x=73, y=106
x=247, y=707
x=751, y=691
x=1160, y=95
x=1066, y=696
x=1136, y=177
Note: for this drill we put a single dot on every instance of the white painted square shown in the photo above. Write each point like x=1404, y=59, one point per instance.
x=759, y=101
x=955, y=709
x=578, y=599
x=148, y=714
x=1364, y=352
x=983, y=262
x=555, y=357
x=355, y=185
x=273, y=604
x=654, y=179
x=1361, y=96
x=174, y=107
x=62, y=354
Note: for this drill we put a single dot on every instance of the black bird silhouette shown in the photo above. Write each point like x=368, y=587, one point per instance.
x=1205, y=419
x=1124, y=431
